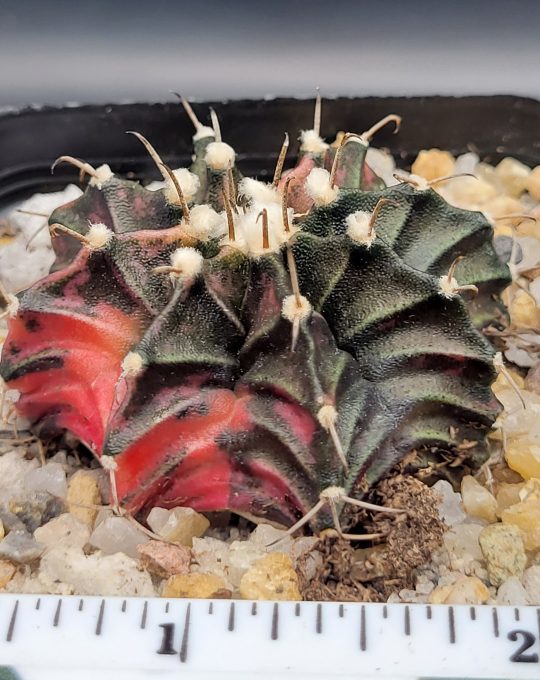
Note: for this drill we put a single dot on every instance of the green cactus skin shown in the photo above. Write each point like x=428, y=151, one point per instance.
x=191, y=379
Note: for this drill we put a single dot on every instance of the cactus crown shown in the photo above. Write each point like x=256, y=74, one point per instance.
x=248, y=346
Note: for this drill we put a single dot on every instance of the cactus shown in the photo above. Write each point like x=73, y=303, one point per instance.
x=271, y=349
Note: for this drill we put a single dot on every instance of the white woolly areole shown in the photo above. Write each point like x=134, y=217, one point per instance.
x=188, y=262
x=98, y=236
x=12, y=306
x=132, y=364
x=205, y=223
x=420, y=183
x=258, y=192
x=311, y=142
x=334, y=493
x=249, y=229
x=189, y=183
x=327, y=416
x=448, y=288
x=219, y=156
x=103, y=173
x=292, y=311
x=202, y=132
x=108, y=463
x=318, y=187
x=358, y=228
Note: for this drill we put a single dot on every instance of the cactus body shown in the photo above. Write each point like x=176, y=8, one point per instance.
x=188, y=377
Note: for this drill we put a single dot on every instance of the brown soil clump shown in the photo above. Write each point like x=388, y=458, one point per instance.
x=353, y=573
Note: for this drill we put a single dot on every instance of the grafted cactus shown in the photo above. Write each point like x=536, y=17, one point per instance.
x=263, y=348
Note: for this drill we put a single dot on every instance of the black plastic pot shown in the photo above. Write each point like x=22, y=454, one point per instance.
x=31, y=139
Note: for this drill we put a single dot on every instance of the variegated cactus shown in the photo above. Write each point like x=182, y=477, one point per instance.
x=272, y=349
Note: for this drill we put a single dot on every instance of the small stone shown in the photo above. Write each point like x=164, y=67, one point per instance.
x=50, y=478
x=526, y=516
x=501, y=206
x=164, y=559
x=13, y=469
x=7, y=571
x=523, y=456
x=504, y=552
x=97, y=574
x=83, y=490
x=198, y=586
x=533, y=183
x=270, y=578
x=2, y=530
x=450, y=507
x=523, y=310
x=477, y=500
x=20, y=546
x=513, y=175
x=512, y=592
x=507, y=495
x=65, y=530
x=532, y=381
x=433, y=163
x=463, y=546
x=468, y=590
x=179, y=525
x=36, y=508
x=242, y=554
x=211, y=556
x=439, y=594
x=118, y=534
x=531, y=582
x=467, y=192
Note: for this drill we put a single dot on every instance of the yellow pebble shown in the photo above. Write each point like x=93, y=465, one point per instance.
x=433, y=163
x=523, y=456
x=533, y=183
x=271, y=578
x=507, y=495
x=526, y=516
x=523, y=310
x=198, y=586
x=83, y=490
x=513, y=175
x=7, y=571
x=477, y=500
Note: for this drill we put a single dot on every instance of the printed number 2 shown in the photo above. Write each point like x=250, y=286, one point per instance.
x=528, y=641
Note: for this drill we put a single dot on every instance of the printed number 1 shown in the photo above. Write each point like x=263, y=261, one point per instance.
x=519, y=655
x=167, y=639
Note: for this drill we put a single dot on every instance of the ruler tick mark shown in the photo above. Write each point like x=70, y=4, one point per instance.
x=429, y=612
x=538, y=617
x=211, y=608
x=144, y=615
x=341, y=611
x=254, y=609
x=99, y=624
x=185, y=636
x=38, y=603
x=275, y=622
x=11, y=627
x=297, y=609
x=363, y=639
x=124, y=606
x=495, y=622
x=452, y=625
x=56, y=619
x=318, y=624
x=167, y=608
x=516, y=614
x=407, y=620
x=472, y=613
x=81, y=605
x=230, y=625
x=385, y=612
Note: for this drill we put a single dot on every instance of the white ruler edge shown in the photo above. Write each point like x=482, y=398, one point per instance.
x=45, y=637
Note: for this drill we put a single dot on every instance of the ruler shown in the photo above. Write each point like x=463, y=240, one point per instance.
x=94, y=638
